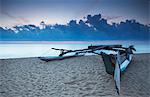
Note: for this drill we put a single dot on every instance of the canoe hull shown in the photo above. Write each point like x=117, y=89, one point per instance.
x=111, y=60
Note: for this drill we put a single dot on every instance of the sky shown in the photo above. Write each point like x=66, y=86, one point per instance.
x=21, y=12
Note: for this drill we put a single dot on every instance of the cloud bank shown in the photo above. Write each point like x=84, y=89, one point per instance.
x=91, y=28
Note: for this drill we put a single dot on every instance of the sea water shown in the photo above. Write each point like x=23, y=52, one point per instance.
x=23, y=49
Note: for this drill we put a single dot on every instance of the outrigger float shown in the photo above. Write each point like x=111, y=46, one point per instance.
x=115, y=61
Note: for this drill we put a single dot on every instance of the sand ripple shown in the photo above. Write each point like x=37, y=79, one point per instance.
x=76, y=77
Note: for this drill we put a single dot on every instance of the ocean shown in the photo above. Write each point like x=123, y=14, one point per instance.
x=23, y=49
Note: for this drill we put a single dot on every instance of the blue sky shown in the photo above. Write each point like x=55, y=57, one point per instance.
x=19, y=12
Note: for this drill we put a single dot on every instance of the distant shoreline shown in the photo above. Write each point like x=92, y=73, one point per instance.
x=84, y=56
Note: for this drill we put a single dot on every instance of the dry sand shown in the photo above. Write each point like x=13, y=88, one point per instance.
x=75, y=77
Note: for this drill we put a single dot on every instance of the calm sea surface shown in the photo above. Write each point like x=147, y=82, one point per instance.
x=24, y=49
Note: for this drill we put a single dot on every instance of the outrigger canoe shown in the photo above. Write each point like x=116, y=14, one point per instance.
x=115, y=63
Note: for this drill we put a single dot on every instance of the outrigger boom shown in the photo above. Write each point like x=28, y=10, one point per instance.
x=115, y=63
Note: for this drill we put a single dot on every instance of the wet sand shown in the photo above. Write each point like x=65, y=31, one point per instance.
x=75, y=77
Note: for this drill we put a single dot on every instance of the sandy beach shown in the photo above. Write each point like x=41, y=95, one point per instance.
x=75, y=77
